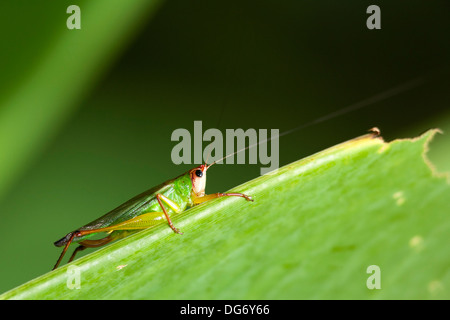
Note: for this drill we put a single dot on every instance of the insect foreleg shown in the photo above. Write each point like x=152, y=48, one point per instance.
x=208, y=197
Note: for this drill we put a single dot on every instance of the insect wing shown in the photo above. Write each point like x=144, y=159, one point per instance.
x=127, y=210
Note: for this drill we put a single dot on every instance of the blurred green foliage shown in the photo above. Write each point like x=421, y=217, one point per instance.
x=86, y=115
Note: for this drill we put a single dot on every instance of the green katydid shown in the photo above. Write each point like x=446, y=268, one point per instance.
x=145, y=210
x=159, y=203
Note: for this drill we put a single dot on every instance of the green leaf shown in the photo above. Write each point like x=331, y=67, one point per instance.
x=314, y=229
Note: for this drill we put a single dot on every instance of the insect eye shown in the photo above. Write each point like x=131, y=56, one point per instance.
x=199, y=173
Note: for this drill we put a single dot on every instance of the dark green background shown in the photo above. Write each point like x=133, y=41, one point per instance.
x=231, y=64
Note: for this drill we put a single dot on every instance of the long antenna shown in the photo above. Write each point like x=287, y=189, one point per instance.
x=358, y=105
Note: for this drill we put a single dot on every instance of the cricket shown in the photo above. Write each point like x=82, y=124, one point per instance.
x=145, y=210
x=174, y=196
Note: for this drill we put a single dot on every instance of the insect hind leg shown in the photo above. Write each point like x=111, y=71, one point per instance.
x=140, y=222
x=83, y=245
x=67, y=241
x=90, y=244
x=79, y=248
